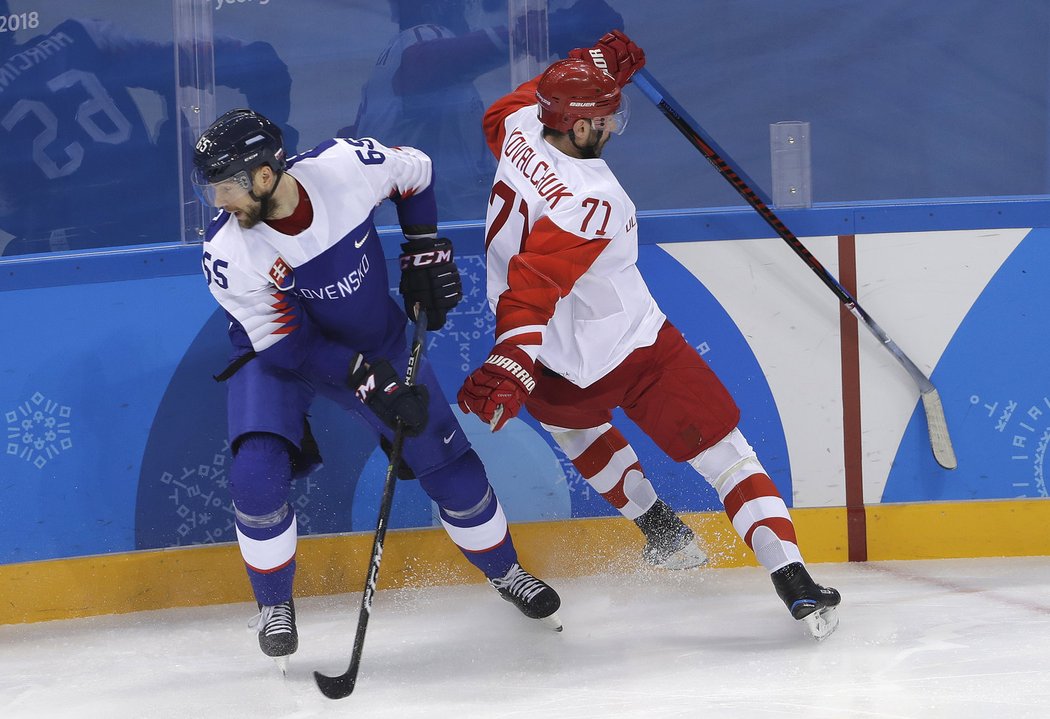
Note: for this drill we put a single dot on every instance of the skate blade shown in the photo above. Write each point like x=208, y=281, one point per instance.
x=551, y=622
x=282, y=664
x=822, y=622
x=690, y=556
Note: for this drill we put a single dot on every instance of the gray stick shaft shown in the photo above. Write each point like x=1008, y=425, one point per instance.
x=940, y=441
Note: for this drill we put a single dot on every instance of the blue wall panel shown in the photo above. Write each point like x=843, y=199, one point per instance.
x=996, y=373
x=115, y=430
x=82, y=374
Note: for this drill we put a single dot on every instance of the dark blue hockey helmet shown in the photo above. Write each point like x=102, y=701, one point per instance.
x=239, y=140
x=234, y=145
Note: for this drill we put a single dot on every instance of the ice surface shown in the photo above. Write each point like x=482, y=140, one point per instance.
x=947, y=638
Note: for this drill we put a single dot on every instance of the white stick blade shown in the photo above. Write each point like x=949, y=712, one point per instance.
x=941, y=443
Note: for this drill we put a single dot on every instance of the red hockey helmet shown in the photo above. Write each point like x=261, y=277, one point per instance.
x=571, y=90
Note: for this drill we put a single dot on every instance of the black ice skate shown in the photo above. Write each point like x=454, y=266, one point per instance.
x=278, y=637
x=670, y=544
x=806, y=600
x=533, y=597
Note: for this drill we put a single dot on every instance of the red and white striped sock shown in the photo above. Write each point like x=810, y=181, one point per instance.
x=751, y=500
x=609, y=464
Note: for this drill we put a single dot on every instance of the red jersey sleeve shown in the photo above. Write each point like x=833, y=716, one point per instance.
x=492, y=123
x=539, y=276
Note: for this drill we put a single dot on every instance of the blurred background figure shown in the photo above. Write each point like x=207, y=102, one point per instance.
x=88, y=131
x=422, y=90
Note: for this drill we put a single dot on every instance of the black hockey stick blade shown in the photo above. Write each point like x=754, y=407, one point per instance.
x=338, y=687
x=937, y=425
x=342, y=685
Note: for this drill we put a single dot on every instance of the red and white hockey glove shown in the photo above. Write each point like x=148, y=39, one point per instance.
x=616, y=54
x=496, y=390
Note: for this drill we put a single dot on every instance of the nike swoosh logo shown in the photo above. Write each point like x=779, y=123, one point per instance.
x=448, y=439
x=359, y=243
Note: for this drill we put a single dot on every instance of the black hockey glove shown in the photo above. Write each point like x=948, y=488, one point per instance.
x=429, y=276
x=379, y=387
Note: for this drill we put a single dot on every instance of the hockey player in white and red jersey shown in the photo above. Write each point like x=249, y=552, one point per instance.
x=295, y=261
x=578, y=332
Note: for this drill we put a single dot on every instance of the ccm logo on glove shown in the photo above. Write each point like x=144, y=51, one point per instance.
x=425, y=259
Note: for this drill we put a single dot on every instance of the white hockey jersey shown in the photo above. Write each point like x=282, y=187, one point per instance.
x=561, y=241
x=292, y=297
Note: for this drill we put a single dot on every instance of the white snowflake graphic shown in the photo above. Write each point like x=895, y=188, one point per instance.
x=1029, y=433
x=471, y=323
x=38, y=430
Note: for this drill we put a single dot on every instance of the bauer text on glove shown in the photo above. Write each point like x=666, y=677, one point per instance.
x=616, y=54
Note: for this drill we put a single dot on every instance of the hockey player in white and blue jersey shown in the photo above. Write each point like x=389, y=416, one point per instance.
x=71, y=110
x=295, y=261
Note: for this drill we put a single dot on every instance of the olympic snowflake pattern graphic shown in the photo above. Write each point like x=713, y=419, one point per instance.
x=470, y=326
x=38, y=430
x=200, y=498
x=574, y=481
x=1029, y=437
x=471, y=323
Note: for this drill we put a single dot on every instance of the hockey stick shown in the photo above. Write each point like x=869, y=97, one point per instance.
x=931, y=399
x=341, y=686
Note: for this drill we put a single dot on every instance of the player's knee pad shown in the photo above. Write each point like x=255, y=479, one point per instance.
x=261, y=473
x=260, y=479
x=477, y=513
x=467, y=504
x=727, y=462
x=260, y=523
x=458, y=485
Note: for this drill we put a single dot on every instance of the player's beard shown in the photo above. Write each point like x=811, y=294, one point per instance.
x=253, y=215
x=592, y=150
x=263, y=209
